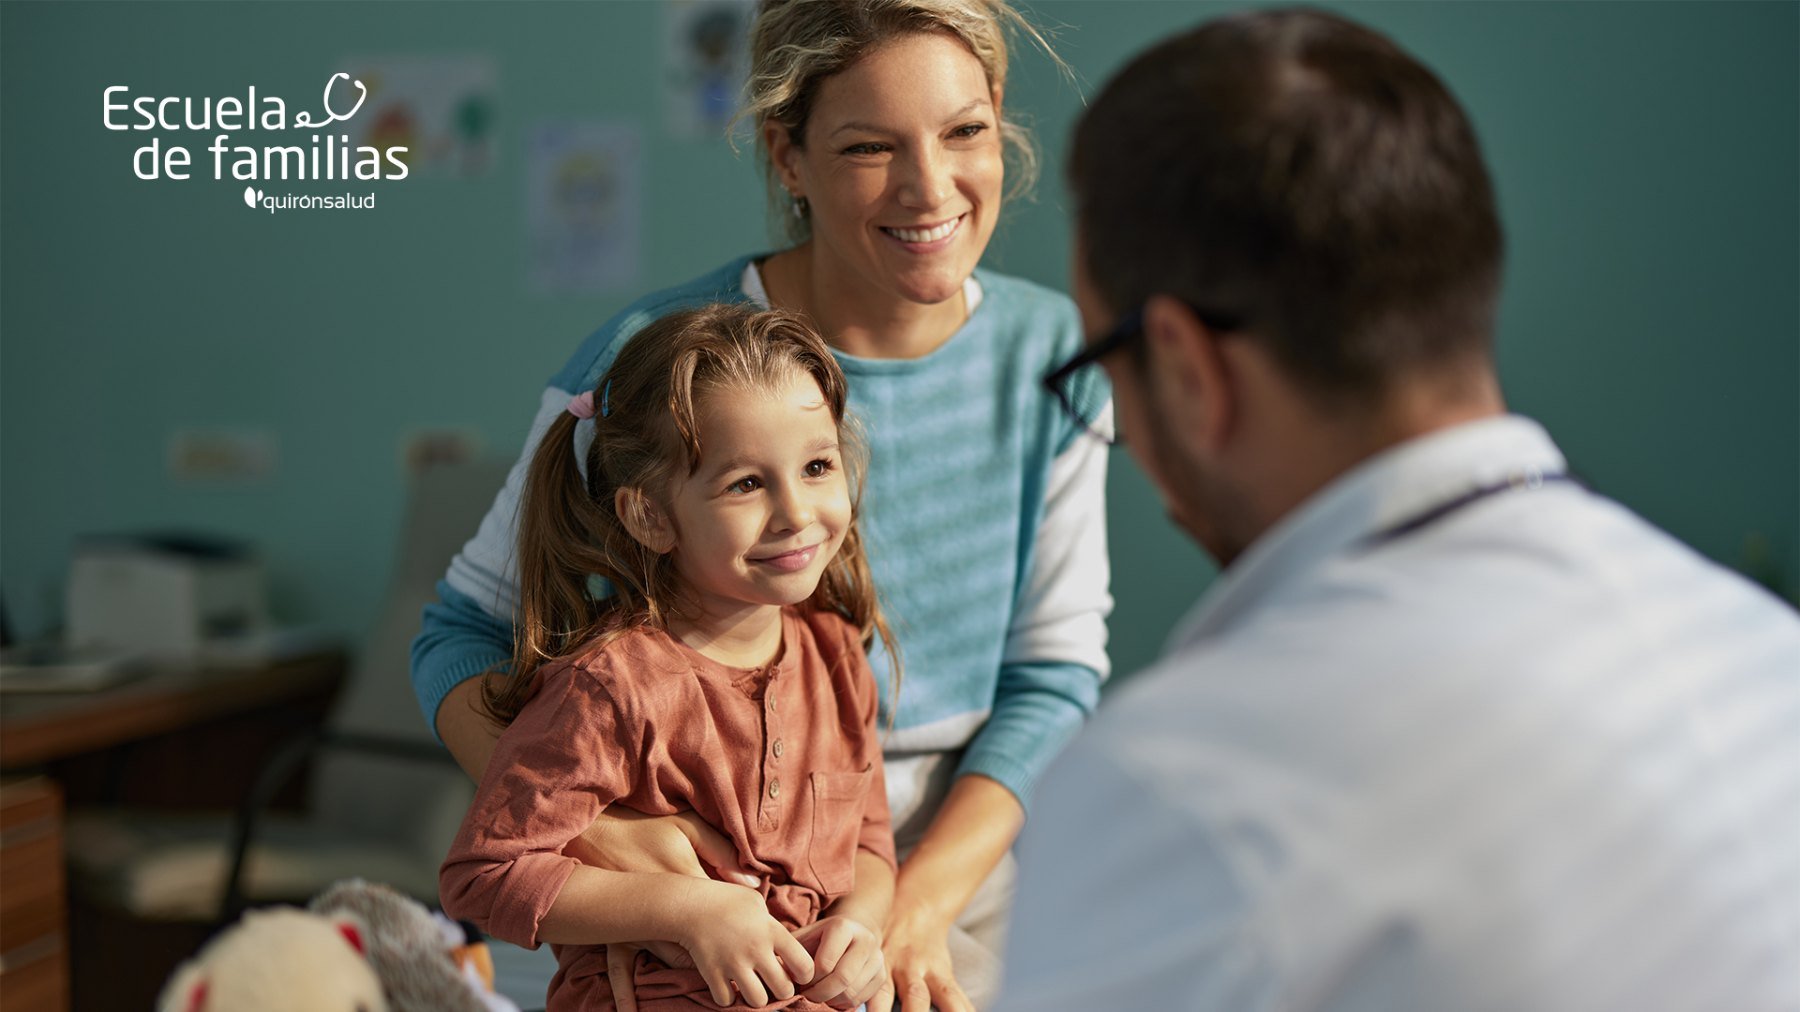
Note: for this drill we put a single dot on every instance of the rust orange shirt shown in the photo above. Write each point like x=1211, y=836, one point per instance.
x=784, y=760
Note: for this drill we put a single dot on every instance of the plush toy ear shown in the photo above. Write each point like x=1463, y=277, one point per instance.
x=197, y=997
x=353, y=936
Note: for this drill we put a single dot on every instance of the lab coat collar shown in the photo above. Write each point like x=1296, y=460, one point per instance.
x=1388, y=488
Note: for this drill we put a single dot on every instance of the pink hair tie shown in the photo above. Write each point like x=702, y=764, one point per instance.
x=582, y=405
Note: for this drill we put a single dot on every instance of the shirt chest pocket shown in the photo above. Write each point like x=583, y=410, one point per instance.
x=837, y=816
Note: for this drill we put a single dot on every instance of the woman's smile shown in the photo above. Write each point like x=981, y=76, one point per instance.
x=927, y=238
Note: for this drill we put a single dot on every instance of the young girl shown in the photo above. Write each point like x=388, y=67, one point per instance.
x=725, y=673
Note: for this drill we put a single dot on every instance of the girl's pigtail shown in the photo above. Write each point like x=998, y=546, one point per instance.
x=558, y=523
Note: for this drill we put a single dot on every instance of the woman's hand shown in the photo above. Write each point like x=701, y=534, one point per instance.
x=966, y=840
x=917, y=951
x=735, y=944
x=624, y=840
x=847, y=966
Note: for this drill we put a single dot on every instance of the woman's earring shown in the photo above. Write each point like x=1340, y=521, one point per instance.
x=800, y=207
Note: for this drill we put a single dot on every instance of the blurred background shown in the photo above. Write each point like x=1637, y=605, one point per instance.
x=174, y=359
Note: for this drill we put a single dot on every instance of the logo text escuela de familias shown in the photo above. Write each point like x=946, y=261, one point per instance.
x=327, y=157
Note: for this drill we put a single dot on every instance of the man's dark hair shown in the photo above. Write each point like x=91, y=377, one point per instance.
x=1300, y=174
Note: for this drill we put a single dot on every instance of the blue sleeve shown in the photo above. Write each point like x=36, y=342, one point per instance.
x=1038, y=707
x=457, y=641
x=1049, y=681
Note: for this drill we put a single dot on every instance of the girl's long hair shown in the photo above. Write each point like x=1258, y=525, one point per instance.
x=645, y=438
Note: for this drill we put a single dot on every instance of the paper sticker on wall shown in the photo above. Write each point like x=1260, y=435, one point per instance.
x=705, y=57
x=442, y=109
x=583, y=199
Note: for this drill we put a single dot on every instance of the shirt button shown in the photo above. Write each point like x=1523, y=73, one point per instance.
x=774, y=788
x=777, y=748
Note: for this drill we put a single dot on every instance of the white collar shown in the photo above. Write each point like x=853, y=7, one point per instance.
x=1388, y=488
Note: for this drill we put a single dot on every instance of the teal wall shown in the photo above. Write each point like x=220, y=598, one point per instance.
x=1645, y=154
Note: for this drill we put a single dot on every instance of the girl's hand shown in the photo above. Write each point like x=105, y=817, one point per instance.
x=917, y=951
x=624, y=840
x=736, y=944
x=847, y=966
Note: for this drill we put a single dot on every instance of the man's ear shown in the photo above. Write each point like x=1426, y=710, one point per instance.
x=1199, y=385
x=783, y=156
x=643, y=521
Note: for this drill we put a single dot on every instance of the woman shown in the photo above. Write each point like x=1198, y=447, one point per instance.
x=882, y=124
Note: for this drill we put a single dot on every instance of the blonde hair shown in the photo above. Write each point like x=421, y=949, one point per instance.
x=646, y=435
x=796, y=44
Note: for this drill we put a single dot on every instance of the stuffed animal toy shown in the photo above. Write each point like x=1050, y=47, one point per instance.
x=426, y=962
x=280, y=959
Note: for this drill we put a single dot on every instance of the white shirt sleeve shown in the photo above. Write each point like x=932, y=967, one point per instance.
x=1062, y=614
x=487, y=569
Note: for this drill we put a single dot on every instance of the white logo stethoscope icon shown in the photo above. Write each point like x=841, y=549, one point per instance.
x=305, y=120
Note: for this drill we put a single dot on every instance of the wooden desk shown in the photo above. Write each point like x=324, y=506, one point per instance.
x=34, y=954
x=173, y=737
x=42, y=727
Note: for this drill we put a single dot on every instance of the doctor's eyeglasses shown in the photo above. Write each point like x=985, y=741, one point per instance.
x=1093, y=417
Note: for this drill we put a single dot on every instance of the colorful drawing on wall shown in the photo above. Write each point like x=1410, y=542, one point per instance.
x=583, y=198
x=442, y=109
x=705, y=57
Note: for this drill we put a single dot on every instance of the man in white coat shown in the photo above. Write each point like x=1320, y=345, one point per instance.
x=1450, y=731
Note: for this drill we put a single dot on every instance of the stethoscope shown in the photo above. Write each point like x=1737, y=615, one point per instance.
x=1527, y=480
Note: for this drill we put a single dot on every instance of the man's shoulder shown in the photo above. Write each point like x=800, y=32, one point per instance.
x=1570, y=565
x=1570, y=599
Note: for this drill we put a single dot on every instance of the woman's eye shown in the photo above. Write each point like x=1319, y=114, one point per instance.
x=818, y=468
x=870, y=148
x=744, y=486
x=968, y=130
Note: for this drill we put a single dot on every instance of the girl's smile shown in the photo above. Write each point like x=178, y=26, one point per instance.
x=790, y=562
